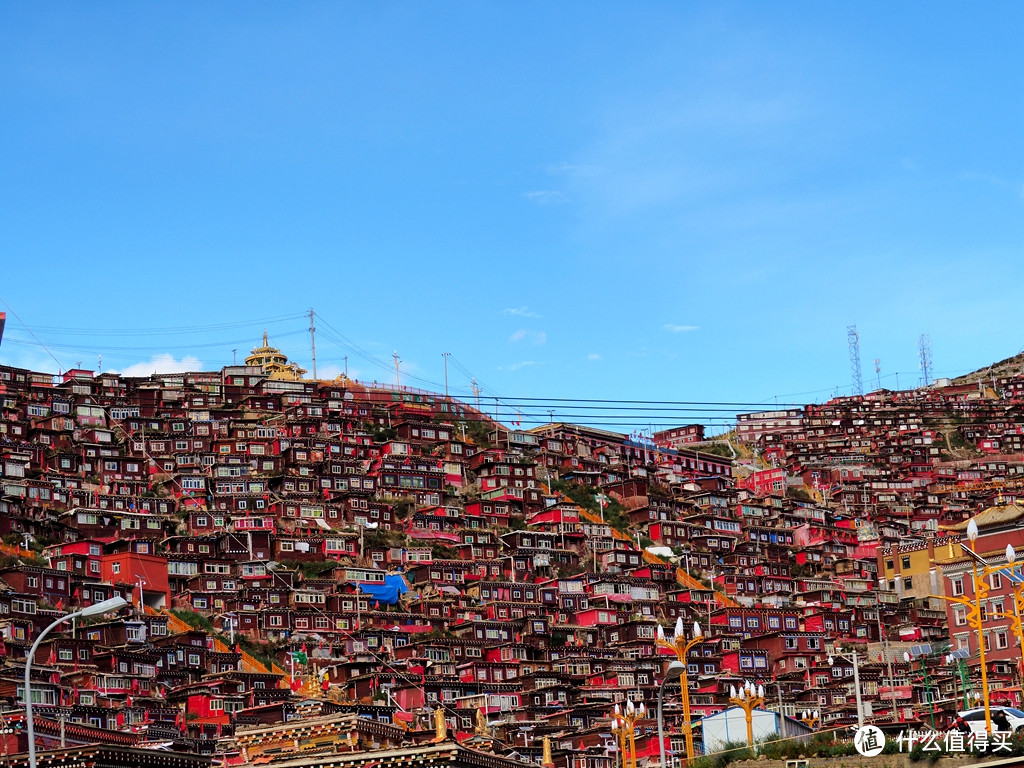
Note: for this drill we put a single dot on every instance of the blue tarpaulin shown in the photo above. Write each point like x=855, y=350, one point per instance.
x=388, y=592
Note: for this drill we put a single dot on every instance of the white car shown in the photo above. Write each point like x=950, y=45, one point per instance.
x=973, y=720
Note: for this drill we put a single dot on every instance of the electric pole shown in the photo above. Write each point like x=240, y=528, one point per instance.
x=476, y=391
x=312, y=341
x=398, y=373
x=444, y=356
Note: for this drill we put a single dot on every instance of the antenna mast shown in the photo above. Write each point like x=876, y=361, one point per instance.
x=924, y=349
x=312, y=341
x=853, y=341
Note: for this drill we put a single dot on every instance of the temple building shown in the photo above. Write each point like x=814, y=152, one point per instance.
x=274, y=362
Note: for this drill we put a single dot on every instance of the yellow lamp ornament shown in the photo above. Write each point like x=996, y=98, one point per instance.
x=681, y=647
x=975, y=620
x=748, y=698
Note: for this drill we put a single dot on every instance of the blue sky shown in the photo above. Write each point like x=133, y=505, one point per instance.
x=672, y=201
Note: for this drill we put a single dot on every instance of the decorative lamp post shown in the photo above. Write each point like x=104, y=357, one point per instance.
x=627, y=725
x=852, y=658
x=681, y=647
x=106, y=606
x=974, y=619
x=1017, y=617
x=748, y=698
x=619, y=730
x=961, y=672
x=927, y=683
x=811, y=718
x=674, y=671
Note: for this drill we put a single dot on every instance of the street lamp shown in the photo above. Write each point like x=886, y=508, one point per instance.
x=927, y=684
x=811, y=718
x=106, y=606
x=748, y=698
x=961, y=670
x=974, y=619
x=627, y=726
x=681, y=647
x=674, y=671
x=852, y=657
x=619, y=731
x=1017, y=617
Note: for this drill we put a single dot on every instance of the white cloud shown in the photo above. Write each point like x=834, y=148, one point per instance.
x=330, y=371
x=517, y=366
x=672, y=328
x=163, y=363
x=546, y=196
x=594, y=357
x=534, y=337
x=521, y=312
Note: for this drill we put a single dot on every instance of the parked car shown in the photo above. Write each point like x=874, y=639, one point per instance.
x=1003, y=719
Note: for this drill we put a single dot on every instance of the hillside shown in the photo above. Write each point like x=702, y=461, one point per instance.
x=1011, y=366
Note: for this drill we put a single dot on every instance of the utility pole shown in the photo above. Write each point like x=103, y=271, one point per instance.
x=312, y=341
x=878, y=372
x=346, y=366
x=234, y=356
x=398, y=372
x=476, y=391
x=444, y=356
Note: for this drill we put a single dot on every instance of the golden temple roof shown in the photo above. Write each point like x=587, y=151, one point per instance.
x=1000, y=514
x=274, y=362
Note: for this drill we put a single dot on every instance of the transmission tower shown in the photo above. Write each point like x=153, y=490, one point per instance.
x=924, y=349
x=853, y=340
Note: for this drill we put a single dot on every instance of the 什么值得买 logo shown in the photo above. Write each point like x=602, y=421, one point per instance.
x=869, y=740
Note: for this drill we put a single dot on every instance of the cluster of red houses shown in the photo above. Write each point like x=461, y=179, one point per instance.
x=293, y=548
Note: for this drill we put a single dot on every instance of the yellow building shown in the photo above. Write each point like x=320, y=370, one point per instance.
x=912, y=570
x=274, y=362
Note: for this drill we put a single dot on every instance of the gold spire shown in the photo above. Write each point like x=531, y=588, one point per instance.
x=440, y=726
x=274, y=362
x=548, y=761
x=481, y=724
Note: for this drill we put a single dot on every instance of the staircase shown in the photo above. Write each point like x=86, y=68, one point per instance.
x=249, y=662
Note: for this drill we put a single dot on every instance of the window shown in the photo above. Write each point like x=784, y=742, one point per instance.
x=956, y=586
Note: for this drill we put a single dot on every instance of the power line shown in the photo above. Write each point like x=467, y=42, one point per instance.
x=166, y=330
x=640, y=402
x=160, y=348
